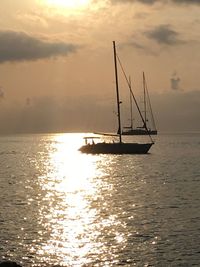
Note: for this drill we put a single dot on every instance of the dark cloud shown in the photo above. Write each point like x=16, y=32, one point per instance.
x=20, y=46
x=164, y=34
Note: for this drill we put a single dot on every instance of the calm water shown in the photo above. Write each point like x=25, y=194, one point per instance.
x=61, y=207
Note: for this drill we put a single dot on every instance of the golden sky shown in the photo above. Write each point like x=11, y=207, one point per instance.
x=56, y=62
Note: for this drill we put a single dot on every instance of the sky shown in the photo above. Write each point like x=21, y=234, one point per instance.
x=57, y=71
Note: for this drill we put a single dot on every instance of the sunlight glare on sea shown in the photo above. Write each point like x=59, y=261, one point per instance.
x=72, y=182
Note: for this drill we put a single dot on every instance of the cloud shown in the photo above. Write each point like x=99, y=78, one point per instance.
x=20, y=46
x=142, y=48
x=151, y=2
x=189, y=2
x=136, y=45
x=164, y=34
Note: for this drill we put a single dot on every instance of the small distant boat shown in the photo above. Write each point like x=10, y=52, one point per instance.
x=119, y=147
x=144, y=129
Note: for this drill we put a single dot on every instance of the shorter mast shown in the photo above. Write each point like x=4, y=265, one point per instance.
x=145, y=103
x=117, y=93
x=150, y=107
x=131, y=105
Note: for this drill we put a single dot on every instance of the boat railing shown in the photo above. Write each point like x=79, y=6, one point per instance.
x=90, y=139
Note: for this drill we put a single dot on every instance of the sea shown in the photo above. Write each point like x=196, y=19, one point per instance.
x=59, y=207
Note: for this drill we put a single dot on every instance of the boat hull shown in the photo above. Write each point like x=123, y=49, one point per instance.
x=116, y=148
x=140, y=132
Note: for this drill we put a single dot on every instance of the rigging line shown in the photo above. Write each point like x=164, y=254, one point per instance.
x=150, y=107
x=134, y=98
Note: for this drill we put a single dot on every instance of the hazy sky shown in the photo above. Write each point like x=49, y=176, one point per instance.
x=56, y=62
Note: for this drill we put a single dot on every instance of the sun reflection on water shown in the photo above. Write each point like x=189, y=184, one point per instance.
x=72, y=218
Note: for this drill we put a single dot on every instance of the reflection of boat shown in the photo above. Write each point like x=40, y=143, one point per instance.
x=115, y=147
x=144, y=129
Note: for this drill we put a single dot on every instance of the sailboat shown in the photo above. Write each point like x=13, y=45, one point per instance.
x=144, y=129
x=119, y=147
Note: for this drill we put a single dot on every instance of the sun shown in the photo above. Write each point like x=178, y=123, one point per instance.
x=72, y=4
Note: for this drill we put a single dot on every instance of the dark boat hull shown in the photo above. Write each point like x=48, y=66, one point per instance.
x=140, y=132
x=116, y=148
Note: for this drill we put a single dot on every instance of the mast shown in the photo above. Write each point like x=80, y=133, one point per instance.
x=150, y=107
x=145, y=104
x=117, y=93
x=131, y=105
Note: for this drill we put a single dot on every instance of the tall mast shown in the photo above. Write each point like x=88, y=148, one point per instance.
x=117, y=93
